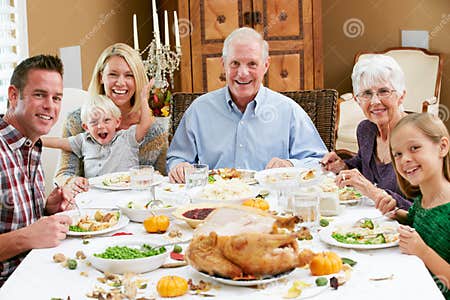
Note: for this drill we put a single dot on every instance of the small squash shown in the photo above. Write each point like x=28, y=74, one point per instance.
x=257, y=203
x=157, y=224
x=325, y=263
x=172, y=286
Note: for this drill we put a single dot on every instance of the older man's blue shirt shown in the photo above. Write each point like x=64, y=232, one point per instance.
x=215, y=132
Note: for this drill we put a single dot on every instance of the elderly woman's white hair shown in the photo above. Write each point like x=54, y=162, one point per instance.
x=243, y=34
x=377, y=69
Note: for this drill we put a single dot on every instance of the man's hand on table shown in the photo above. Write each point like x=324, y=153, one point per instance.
x=278, y=163
x=176, y=175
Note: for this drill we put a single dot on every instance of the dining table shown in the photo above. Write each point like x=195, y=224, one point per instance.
x=383, y=273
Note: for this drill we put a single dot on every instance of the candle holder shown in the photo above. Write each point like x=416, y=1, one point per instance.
x=160, y=64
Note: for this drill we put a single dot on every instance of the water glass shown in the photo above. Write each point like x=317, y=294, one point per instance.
x=196, y=175
x=141, y=177
x=305, y=202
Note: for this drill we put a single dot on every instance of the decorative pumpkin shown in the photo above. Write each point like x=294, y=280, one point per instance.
x=257, y=203
x=172, y=286
x=325, y=263
x=157, y=224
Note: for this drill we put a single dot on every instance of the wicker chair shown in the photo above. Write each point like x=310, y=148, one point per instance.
x=319, y=104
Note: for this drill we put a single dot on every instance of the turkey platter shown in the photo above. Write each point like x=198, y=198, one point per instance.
x=244, y=243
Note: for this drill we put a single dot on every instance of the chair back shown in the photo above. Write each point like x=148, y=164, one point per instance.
x=423, y=74
x=320, y=105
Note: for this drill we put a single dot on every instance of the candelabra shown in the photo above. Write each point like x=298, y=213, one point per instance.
x=160, y=63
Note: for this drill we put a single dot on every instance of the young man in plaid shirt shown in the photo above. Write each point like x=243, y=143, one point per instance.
x=34, y=102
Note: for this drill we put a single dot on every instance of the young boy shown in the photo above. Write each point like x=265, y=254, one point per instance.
x=102, y=148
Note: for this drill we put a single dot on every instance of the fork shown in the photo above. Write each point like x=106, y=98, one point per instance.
x=388, y=214
x=74, y=202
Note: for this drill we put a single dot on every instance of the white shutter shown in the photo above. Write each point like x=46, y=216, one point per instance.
x=13, y=42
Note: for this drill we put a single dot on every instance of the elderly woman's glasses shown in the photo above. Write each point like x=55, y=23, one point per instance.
x=367, y=96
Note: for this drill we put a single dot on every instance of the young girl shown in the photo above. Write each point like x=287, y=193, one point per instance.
x=420, y=153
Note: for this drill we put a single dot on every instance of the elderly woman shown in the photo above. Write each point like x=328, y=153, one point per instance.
x=379, y=86
x=119, y=74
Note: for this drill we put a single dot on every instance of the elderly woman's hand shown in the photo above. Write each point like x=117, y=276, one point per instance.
x=355, y=179
x=332, y=162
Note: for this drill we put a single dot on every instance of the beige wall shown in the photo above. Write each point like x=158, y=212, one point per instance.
x=53, y=24
x=382, y=21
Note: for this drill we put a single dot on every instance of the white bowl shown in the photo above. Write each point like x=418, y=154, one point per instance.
x=198, y=195
x=139, y=213
x=120, y=266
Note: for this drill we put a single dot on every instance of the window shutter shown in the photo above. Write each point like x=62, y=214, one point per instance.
x=13, y=42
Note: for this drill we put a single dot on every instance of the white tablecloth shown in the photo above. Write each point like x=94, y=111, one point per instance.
x=38, y=277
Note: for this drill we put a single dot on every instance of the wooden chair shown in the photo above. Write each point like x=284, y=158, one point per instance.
x=423, y=72
x=319, y=104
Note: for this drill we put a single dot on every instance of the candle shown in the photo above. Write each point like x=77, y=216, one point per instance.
x=155, y=25
x=135, y=33
x=166, y=29
x=177, y=32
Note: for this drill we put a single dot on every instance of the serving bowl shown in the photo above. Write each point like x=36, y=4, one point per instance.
x=180, y=213
x=135, y=210
x=120, y=266
x=233, y=191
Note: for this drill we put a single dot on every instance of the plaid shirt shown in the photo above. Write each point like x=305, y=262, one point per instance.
x=22, y=194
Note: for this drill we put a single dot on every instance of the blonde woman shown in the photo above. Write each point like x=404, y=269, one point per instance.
x=120, y=75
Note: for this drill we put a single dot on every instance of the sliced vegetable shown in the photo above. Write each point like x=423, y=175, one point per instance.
x=321, y=281
x=177, y=249
x=348, y=261
x=324, y=222
x=72, y=264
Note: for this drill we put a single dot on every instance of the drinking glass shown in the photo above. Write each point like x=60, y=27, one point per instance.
x=305, y=202
x=196, y=175
x=141, y=177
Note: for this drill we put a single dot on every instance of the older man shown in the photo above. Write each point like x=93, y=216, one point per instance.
x=244, y=125
x=34, y=98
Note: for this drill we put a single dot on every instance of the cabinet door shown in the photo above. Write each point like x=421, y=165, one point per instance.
x=286, y=25
x=213, y=21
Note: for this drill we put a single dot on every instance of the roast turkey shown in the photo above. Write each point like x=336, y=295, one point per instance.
x=242, y=242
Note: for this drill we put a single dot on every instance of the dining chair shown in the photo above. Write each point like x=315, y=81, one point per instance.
x=319, y=104
x=423, y=73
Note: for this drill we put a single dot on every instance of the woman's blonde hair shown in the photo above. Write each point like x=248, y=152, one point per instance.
x=435, y=130
x=133, y=60
x=96, y=104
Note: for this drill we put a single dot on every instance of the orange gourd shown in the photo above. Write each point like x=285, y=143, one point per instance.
x=257, y=203
x=157, y=224
x=325, y=263
x=172, y=286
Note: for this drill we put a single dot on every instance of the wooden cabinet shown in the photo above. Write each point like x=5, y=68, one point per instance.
x=292, y=29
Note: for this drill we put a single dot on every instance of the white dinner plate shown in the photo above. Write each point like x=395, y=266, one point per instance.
x=245, y=282
x=325, y=236
x=123, y=221
x=285, y=177
x=247, y=176
x=97, y=182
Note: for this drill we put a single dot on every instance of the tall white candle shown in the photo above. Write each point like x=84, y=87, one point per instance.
x=135, y=33
x=156, y=25
x=166, y=29
x=177, y=31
